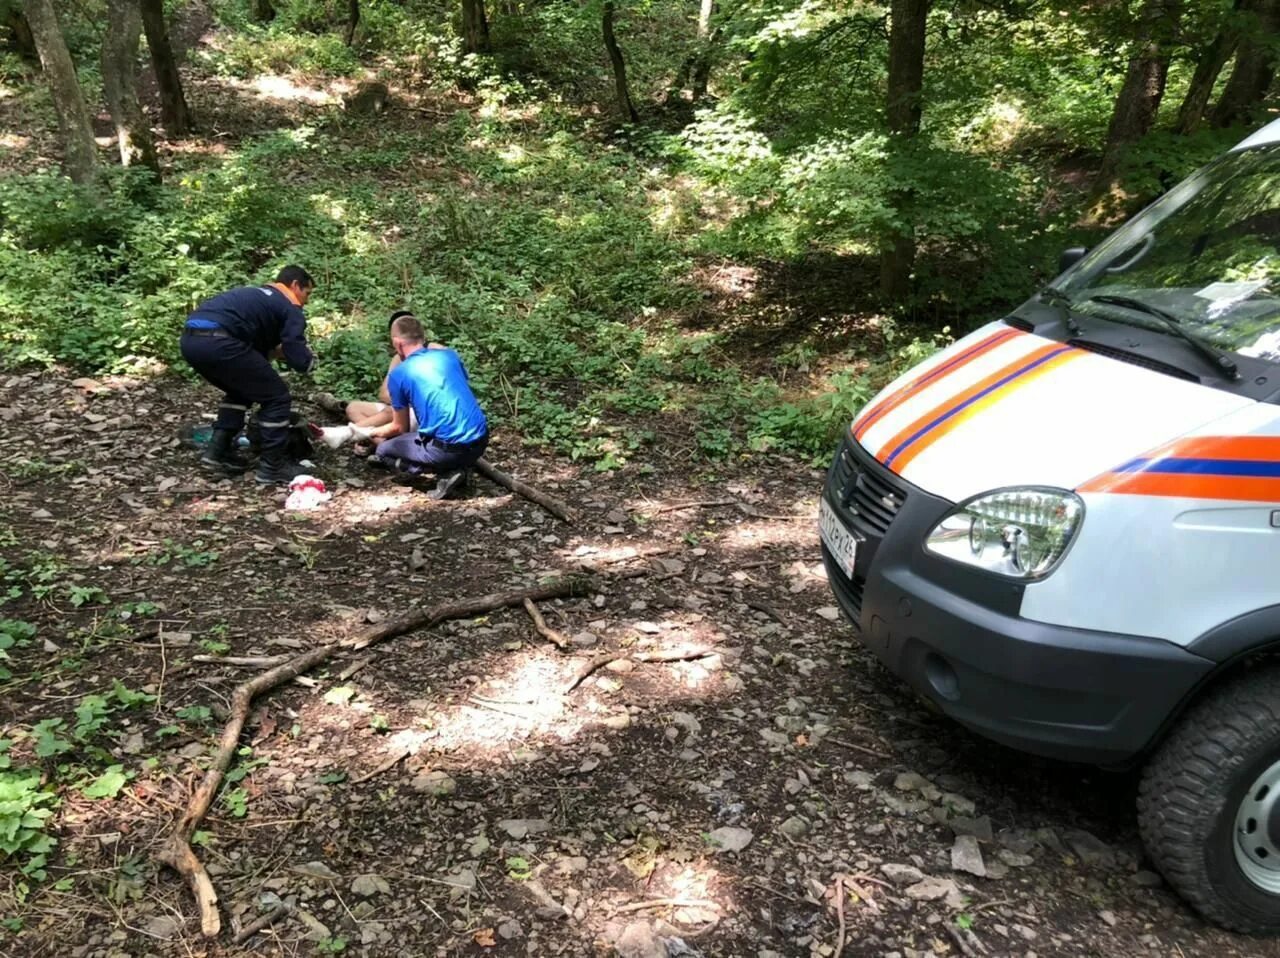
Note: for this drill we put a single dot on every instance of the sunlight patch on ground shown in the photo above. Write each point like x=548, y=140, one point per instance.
x=13, y=141
x=800, y=531
x=275, y=87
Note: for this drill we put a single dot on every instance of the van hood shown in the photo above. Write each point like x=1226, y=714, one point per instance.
x=1005, y=408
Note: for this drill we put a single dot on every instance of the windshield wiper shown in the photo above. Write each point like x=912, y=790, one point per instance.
x=1056, y=296
x=1206, y=349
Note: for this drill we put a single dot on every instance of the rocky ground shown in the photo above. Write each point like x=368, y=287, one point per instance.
x=770, y=792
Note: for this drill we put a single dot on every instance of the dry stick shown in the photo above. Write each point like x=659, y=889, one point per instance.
x=261, y=922
x=855, y=746
x=600, y=661
x=545, y=630
x=840, y=915
x=389, y=763
x=666, y=903
x=176, y=852
x=966, y=949
x=678, y=506
x=262, y=661
x=550, y=503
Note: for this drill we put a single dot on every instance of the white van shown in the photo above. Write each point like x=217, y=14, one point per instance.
x=1064, y=530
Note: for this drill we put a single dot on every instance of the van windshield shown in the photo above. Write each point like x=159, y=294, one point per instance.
x=1206, y=253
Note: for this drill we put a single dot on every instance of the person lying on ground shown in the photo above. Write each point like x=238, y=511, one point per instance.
x=451, y=432
x=362, y=414
x=231, y=340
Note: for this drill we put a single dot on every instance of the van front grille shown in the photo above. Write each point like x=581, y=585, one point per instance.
x=868, y=500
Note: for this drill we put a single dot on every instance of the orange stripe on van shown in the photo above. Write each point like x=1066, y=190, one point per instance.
x=904, y=438
x=986, y=402
x=1234, y=488
x=937, y=374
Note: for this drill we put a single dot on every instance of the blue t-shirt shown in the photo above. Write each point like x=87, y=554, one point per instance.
x=434, y=383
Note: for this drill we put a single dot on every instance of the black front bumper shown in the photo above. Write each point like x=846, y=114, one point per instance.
x=956, y=636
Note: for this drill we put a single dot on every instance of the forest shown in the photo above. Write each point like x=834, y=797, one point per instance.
x=679, y=245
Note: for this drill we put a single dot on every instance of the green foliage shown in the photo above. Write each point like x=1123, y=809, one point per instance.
x=25, y=809
x=14, y=633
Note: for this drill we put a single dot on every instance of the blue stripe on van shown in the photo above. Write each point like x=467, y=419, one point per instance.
x=1206, y=467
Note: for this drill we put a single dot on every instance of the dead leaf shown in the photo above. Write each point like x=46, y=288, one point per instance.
x=484, y=938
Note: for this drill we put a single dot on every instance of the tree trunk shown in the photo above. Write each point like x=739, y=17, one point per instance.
x=1212, y=59
x=908, y=19
x=119, y=84
x=261, y=11
x=1254, y=70
x=475, y=27
x=701, y=68
x=23, y=43
x=1139, y=99
x=174, y=113
x=353, y=19
x=80, y=152
x=625, y=107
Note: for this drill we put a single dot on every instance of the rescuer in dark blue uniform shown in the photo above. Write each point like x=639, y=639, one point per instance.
x=230, y=340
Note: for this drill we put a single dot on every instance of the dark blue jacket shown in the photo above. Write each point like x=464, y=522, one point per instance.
x=261, y=316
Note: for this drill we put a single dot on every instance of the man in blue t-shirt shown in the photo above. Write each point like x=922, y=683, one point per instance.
x=231, y=340
x=452, y=430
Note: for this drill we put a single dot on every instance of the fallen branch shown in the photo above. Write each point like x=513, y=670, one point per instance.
x=262, y=661
x=544, y=630
x=840, y=915
x=678, y=506
x=177, y=853
x=957, y=936
x=550, y=503
x=393, y=761
x=666, y=903
x=261, y=922
x=855, y=746
x=600, y=661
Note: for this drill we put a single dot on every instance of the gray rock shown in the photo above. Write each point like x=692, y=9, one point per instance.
x=639, y=940
x=933, y=889
x=519, y=828
x=791, y=724
x=794, y=827
x=164, y=926
x=966, y=856
x=957, y=804
x=979, y=828
x=368, y=885
x=902, y=806
x=902, y=874
x=479, y=846
x=911, y=782
x=317, y=870
x=435, y=783
x=1014, y=859
x=510, y=929
x=862, y=781
x=1090, y=849
x=729, y=839
x=1108, y=918
x=1147, y=879
x=461, y=882
x=774, y=737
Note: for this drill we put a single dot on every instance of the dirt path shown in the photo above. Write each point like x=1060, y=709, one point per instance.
x=702, y=807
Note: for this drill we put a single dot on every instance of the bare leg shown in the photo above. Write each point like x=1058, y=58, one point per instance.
x=368, y=414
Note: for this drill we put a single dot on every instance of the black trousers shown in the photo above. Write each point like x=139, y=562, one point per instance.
x=245, y=377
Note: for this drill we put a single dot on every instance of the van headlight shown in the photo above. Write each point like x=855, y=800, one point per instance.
x=1020, y=533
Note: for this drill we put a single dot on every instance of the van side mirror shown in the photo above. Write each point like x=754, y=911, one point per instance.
x=1069, y=257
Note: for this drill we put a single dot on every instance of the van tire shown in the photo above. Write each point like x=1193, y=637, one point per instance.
x=1192, y=790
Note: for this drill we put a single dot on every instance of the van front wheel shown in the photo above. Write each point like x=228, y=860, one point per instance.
x=1209, y=805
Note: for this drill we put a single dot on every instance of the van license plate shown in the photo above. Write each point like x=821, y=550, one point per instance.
x=840, y=542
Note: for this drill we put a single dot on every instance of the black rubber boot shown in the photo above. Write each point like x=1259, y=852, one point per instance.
x=448, y=484
x=274, y=468
x=221, y=454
